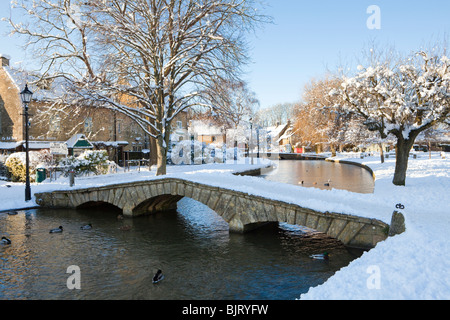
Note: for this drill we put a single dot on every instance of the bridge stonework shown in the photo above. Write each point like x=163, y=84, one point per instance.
x=243, y=212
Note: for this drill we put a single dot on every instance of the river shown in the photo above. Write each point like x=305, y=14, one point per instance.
x=323, y=175
x=200, y=259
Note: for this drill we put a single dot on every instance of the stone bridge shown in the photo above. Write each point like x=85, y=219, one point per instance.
x=243, y=212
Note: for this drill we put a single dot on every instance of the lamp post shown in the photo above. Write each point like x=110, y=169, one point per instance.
x=26, y=95
x=251, y=139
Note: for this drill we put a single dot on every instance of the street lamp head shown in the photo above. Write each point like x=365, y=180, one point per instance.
x=26, y=95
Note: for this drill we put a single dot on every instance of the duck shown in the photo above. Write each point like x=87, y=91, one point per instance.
x=6, y=240
x=320, y=256
x=86, y=227
x=158, y=277
x=125, y=228
x=327, y=184
x=56, y=230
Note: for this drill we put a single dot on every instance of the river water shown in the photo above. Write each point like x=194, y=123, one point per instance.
x=316, y=174
x=192, y=246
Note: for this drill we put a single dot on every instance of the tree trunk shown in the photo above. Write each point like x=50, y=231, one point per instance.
x=401, y=163
x=162, y=146
x=333, y=150
x=381, y=152
x=153, y=153
x=429, y=149
x=161, y=154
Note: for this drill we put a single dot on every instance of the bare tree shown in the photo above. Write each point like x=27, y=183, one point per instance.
x=232, y=102
x=148, y=59
x=279, y=113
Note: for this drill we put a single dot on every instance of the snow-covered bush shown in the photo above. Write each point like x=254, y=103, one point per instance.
x=16, y=164
x=203, y=153
x=95, y=162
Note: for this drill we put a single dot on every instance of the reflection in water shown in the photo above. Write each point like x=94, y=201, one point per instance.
x=192, y=247
x=317, y=174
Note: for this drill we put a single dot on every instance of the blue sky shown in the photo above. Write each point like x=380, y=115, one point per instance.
x=309, y=37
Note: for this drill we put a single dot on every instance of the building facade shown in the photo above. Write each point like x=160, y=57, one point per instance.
x=49, y=122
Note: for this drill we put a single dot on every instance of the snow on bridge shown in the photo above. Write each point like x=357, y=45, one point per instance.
x=245, y=203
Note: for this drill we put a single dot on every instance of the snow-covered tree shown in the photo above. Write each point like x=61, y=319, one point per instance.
x=402, y=99
x=320, y=119
x=277, y=114
x=232, y=102
x=148, y=59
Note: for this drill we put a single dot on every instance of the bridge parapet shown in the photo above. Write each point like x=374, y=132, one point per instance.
x=242, y=211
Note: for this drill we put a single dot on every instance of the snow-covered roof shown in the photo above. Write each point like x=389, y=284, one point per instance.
x=9, y=145
x=287, y=134
x=21, y=77
x=275, y=131
x=110, y=143
x=202, y=128
x=76, y=138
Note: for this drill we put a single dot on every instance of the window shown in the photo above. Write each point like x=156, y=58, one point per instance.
x=55, y=123
x=88, y=125
x=179, y=125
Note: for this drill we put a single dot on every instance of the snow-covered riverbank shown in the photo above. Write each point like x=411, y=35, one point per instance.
x=413, y=265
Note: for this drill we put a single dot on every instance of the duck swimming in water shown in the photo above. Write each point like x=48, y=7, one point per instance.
x=56, y=230
x=86, y=227
x=158, y=277
x=321, y=256
x=6, y=240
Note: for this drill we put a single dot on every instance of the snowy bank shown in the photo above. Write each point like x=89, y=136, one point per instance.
x=414, y=265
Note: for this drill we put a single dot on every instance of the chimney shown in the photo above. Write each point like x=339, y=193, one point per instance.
x=5, y=60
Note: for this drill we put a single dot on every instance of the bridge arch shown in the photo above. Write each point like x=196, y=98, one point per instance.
x=98, y=204
x=243, y=212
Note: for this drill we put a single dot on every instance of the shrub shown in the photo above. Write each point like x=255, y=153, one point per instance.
x=95, y=162
x=15, y=164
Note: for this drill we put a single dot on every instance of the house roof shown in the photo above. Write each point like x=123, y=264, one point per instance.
x=275, y=131
x=8, y=145
x=287, y=134
x=37, y=145
x=79, y=141
x=203, y=128
x=21, y=77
